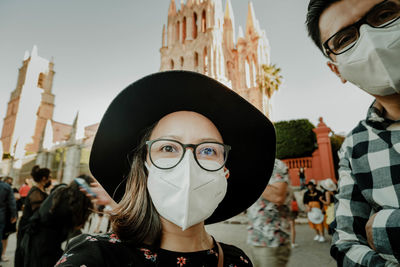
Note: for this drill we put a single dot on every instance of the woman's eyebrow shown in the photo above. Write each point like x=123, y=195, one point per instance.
x=201, y=140
x=209, y=139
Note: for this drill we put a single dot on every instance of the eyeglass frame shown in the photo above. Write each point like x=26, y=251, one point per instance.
x=227, y=148
x=358, y=25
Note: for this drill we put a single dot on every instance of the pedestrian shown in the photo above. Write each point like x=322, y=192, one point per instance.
x=60, y=217
x=294, y=213
x=7, y=205
x=328, y=195
x=269, y=221
x=162, y=146
x=311, y=200
x=23, y=192
x=302, y=177
x=361, y=41
x=10, y=227
x=37, y=194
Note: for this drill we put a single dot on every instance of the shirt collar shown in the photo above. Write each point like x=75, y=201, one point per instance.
x=376, y=118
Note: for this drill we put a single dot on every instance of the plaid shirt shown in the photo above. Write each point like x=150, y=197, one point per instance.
x=369, y=183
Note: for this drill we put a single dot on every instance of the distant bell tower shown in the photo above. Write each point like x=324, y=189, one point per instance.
x=31, y=104
x=200, y=37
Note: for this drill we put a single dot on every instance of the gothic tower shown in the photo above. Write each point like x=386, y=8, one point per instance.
x=200, y=37
x=31, y=104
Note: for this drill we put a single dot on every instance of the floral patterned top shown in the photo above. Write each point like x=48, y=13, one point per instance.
x=109, y=250
x=269, y=223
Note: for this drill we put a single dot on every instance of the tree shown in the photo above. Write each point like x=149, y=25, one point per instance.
x=269, y=81
x=295, y=138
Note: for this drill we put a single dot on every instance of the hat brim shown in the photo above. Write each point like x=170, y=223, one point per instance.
x=317, y=218
x=250, y=134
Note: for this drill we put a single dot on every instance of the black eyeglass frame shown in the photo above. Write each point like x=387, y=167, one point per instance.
x=358, y=24
x=227, y=148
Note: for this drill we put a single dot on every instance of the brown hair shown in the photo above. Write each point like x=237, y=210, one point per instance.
x=135, y=219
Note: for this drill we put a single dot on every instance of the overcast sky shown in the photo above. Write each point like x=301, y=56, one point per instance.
x=99, y=47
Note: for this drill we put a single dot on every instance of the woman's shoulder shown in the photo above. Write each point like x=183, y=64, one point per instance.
x=95, y=250
x=234, y=256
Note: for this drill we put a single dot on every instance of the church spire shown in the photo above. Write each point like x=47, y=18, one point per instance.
x=172, y=8
x=163, y=37
x=34, y=51
x=229, y=25
x=229, y=11
x=72, y=136
x=252, y=22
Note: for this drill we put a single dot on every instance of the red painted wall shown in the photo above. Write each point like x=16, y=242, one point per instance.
x=320, y=165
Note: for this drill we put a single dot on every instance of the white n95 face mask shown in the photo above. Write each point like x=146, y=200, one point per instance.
x=186, y=194
x=373, y=64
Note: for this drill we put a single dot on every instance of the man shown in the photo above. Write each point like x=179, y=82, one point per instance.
x=9, y=227
x=311, y=199
x=361, y=39
x=269, y=222
x=7, y=202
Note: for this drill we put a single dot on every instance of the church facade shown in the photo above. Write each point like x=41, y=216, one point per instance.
x=200, y=37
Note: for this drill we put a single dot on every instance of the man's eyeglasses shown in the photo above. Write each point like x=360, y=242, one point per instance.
x=167, y=153
x=380, y=16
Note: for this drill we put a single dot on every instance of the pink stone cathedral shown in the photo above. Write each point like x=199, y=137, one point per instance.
x=200, y=37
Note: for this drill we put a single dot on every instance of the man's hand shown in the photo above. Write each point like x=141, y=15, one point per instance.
x=368, y=231
x=13, y=220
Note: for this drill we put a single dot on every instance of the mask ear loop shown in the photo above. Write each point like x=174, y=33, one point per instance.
x=226, y=172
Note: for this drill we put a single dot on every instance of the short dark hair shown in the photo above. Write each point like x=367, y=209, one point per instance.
x=315, y=9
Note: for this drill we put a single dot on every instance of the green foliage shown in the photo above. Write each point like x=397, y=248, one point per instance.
x=269, y=80
x=6, y=156
x=295, y=139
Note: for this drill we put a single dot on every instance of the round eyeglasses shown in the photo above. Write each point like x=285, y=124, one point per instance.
x=167, y=154
x=380, y=16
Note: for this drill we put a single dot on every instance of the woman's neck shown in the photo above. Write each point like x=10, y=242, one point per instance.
x=40, y=186
x=192, y=239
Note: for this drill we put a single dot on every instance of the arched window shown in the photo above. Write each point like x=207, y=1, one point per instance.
x=178, y=28
x=172, y=64
x=205, y=60
x=182, y=61
x=203, y=21
x=196, y=59
x=41, y=78
x=184, y=30
x=247, y=73
x=194, y=32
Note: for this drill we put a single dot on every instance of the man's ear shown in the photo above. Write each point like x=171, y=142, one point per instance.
x=334, y=69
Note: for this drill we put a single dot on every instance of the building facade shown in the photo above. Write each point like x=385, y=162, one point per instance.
x=200, y=37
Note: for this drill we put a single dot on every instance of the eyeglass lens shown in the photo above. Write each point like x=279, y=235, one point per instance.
x=379, y=17
x=167, y=154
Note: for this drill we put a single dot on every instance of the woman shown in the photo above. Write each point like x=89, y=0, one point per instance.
x=37, y=194
x=312, y=201
x=329, y=190
x=162, y=146
x=60, y=216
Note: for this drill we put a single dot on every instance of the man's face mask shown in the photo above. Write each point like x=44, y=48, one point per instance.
x=373, y=64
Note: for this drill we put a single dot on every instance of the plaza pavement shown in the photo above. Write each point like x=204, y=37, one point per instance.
x=309, y=253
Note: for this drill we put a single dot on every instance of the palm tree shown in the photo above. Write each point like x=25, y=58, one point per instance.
x=269, y=81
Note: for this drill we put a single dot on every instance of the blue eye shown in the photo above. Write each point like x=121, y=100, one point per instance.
x=208, y=151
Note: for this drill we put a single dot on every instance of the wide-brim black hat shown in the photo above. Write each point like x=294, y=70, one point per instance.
x=250, y=134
